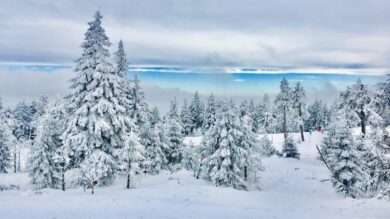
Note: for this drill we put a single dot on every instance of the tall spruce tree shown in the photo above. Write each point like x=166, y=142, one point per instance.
x=343, y=158
x=196, y=109
x=41, y=166
x=359, y=100
x=299, y=101
x=139, y=110
x=224, y=150
x=284, y=106
x=174, y=151
x=186, y=119
x=5, y=150
x=263, y=118
x=97, y=122
x=210, y=113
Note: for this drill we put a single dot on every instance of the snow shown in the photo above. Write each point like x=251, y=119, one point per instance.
x=290, y=189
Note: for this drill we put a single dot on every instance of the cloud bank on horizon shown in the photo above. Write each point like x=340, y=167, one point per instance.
x=334, y=35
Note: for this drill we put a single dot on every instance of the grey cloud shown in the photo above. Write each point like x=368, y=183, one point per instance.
x=296, y=34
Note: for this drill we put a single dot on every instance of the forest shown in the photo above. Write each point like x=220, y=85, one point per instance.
x=103, y=129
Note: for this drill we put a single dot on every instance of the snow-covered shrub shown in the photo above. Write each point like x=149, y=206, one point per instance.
x=290, y=148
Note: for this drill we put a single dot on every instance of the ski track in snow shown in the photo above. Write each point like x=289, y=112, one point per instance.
x=290, y=189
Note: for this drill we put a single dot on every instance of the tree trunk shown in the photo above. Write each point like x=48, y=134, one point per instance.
x=301, y=125
x=363, y=122
x=63, y=180
x=284, y=122
x=15, y=160
x=245, y=172
x=92, y=187
x=19, y=166
x=128, y=176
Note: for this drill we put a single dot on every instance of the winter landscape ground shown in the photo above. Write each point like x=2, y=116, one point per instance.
x=290, y=188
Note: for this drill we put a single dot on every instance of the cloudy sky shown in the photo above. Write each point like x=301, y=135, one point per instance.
x=331, y=34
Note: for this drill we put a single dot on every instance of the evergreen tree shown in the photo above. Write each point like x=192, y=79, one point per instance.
x=343, y=158
x=369, y=162
x=190, y=157
x=155, y=151
x=249, y=142
x=290, y=148
x=131, y=156
x=122, y=69
x=57, y=114
x=263, y=117
x=98, y=169
x=97, y=122
x=38, y=108
x=5, y=153
x=139, y=110
x=316, y=117
x=122, y=64
x=41, y=167
x=299, y=101
x=155, y=117
x=210, y=113
x=186, y=119
x=196, y=109
x=283, y=106
x=23, y=117
x=358, y=99
x=175, y=139
x=265, y=144
x=244, y=109
x=224, y=157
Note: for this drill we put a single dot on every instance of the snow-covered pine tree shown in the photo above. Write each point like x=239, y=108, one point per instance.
x=284, y=106
x=44, y=169
x=316, y=115
x=155, y=150
x=139, y=111
x=186, y=119
x=122, y=64
x=369, y=162
x=97, y=121
x=190, y=157
x=251, y=113
x=384, y=95
x=249, y=142
x=122, y=69
x=61, y=161
x=243, y=108
x=38, y=108
x=299, y=103
x=23, y=116
x=210, y=113
x=41, y=166
x=175, y=140
x=98, y=169
x=5, y=153
x=343, y=158
x=290, y=148
x=223, y=157
x=131, y=156
x=265, y=144
x=263, y=116
x=358, y=99
x=155, y=117
x=196, y=109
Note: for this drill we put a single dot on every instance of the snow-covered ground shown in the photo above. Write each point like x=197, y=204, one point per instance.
x=290, y=189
